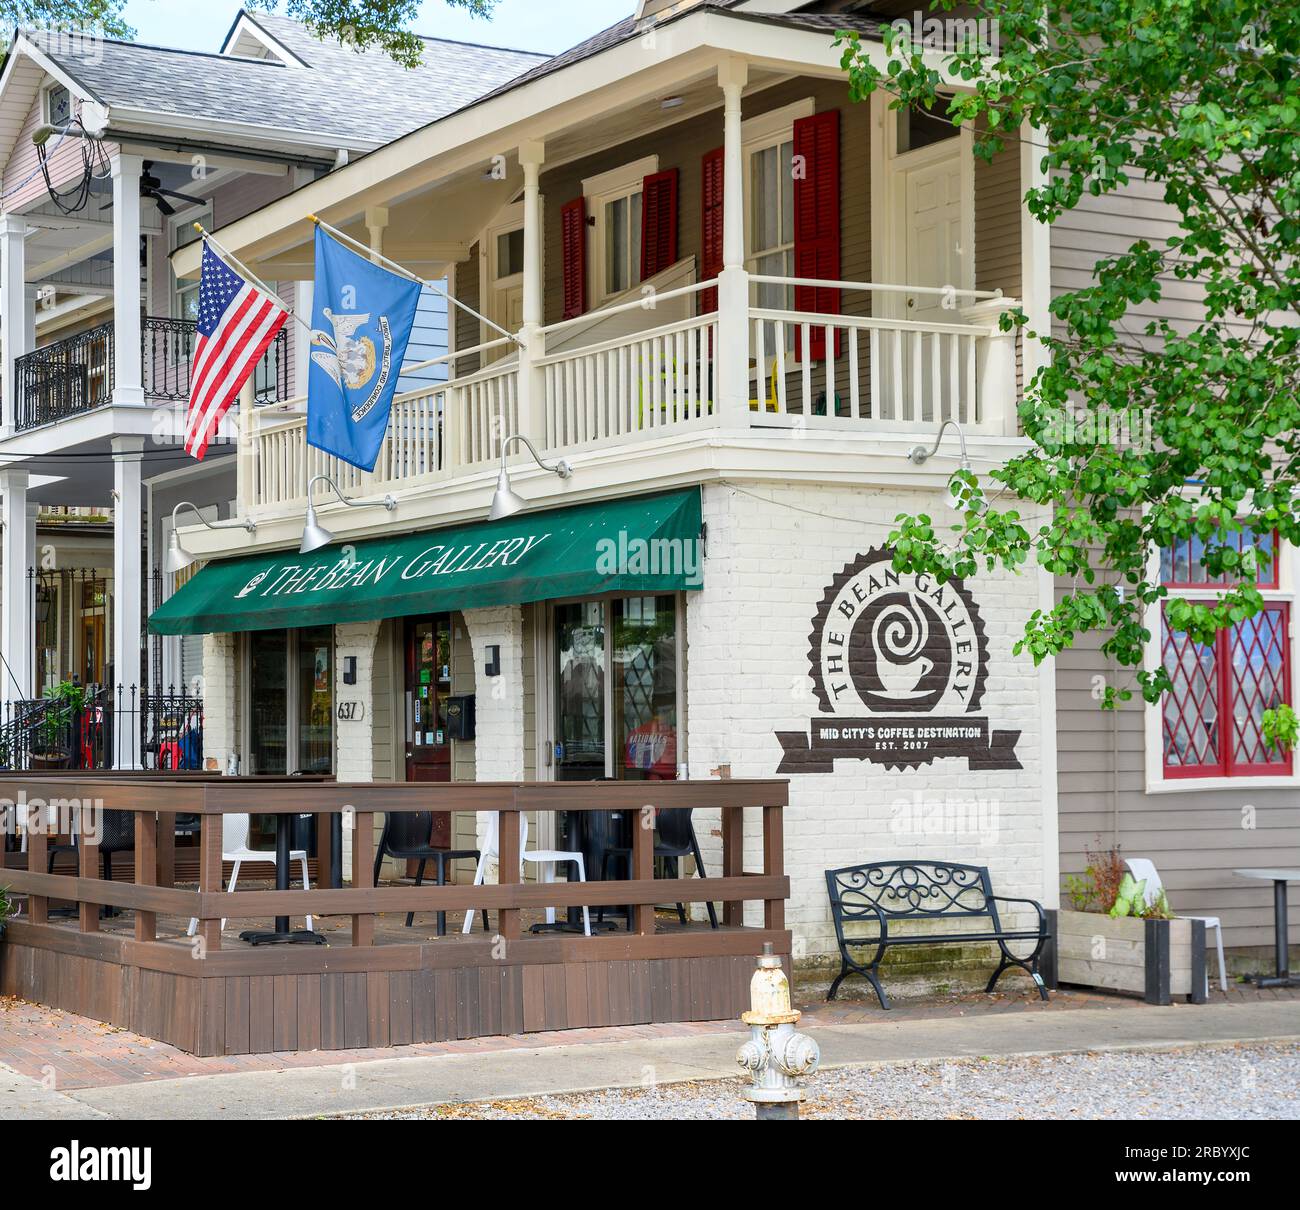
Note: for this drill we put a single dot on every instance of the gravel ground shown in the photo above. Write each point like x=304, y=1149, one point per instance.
x=1239, y=1082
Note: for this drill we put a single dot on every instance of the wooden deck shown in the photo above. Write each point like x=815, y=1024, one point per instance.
x=378, y=983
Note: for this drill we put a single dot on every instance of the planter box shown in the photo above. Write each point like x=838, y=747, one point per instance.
x=1154, y=959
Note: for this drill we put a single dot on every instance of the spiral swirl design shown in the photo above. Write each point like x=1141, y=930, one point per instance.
x=900, y=633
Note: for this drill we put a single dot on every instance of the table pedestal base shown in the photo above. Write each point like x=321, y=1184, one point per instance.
x=1265, y=981
x=294, y=937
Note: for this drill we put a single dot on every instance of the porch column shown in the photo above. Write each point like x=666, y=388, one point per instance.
x=354, y=754
x=499, y=700
x=303, y=299
x=376, y=221
x=220, y=704
x=733, y=281
x=13, y=309
x=128, y=380
x=16, y=612
x=532, y=387
x=128, y=537
x=995, y=365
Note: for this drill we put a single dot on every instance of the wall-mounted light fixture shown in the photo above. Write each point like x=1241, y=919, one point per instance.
x=178, y=558
x=505, y=503
x=960, y=495
x=492, y=659
x=314, y=534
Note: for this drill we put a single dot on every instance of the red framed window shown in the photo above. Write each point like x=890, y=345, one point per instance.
x=1211, y=716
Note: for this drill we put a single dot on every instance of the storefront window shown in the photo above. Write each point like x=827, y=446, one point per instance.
x=644, y=668
x=268, y=701
x=315, y=724
x=621, y=685
x=291, y=701
x=580, y=691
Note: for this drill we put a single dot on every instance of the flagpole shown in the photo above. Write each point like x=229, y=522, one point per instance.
x=226, y=254
x=343, y=237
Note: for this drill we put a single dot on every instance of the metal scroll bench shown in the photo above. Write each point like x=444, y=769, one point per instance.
x=888, y=893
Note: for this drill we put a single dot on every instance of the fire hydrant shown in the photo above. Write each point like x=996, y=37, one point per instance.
x=775, y=1055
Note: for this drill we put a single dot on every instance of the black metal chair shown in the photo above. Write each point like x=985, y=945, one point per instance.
x=674, y=839
x=406, y=836
x=117, y=835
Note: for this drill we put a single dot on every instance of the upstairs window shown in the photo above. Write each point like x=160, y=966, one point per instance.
x=614, y=204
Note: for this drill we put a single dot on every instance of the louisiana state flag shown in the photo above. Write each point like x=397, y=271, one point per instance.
x=361, y=324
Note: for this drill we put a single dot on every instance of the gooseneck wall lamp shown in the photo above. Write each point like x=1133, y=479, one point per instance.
x=178, y=558
x=505, y=502
x=961, y=495
x=314, y=534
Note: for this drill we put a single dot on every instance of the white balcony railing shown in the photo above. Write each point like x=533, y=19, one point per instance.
x=635, y=380
x=435, y=432
x=632, y=386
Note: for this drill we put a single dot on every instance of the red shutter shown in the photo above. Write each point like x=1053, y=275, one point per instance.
x=573, y=251
x=817, y=220
x=710, y=227
x=658, y=222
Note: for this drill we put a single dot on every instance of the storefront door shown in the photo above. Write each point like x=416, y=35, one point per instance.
x=428, y=685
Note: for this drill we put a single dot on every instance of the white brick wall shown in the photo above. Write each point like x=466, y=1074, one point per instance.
x=499, y=700
x=748, y=630
x=220, y=701
x=354, y=738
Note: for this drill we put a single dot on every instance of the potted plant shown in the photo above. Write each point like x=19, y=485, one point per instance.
x=51, y=742
x=1111, y=937
x=6, y=909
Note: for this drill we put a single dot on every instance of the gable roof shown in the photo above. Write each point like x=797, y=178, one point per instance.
x=630, y=27
x=357, y=99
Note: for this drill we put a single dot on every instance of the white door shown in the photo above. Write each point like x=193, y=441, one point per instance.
x=933, y=248
x=503, y=279
x=928, y=242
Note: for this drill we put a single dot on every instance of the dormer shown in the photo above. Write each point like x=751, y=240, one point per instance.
x=248, y=40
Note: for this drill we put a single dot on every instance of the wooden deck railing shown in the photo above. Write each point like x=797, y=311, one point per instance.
x=156, y=800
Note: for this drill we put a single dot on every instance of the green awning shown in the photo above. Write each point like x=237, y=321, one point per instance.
x=644, y=544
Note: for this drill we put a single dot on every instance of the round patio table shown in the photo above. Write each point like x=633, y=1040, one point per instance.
x=1279, y=878
x=282, y=934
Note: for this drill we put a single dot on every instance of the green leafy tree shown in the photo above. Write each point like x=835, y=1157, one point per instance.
x=361, y=24
x=1203, y=101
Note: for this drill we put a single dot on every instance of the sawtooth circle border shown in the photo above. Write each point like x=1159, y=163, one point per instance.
x=880, y=554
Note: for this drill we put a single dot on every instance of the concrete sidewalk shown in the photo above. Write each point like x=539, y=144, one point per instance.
x=404, y=1082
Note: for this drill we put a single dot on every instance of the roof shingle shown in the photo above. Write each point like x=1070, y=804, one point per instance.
x=359, y=97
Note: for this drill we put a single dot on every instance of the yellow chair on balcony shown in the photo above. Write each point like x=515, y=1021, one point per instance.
x=772, y=403
x=667, y=377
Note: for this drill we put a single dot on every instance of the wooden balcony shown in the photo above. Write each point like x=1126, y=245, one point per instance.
x=653, y=369
x=375, y=983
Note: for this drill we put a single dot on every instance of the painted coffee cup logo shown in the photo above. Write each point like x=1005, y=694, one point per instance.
x=899, y=664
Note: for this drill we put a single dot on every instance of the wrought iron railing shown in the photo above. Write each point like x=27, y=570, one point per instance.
x=75, y=375
x=168, y=355
x=115, y=728
x=65, y=378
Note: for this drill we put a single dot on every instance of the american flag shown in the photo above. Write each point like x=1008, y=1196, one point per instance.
x=236, y=323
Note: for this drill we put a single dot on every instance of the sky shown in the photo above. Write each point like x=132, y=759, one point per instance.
x=547, y=26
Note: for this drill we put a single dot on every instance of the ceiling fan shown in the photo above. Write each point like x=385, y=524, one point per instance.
x=152, y=187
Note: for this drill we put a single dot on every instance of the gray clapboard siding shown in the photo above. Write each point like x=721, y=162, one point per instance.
x=1195, y=838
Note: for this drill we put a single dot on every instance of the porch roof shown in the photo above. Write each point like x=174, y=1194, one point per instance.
x=644, y=544
x=605, y=91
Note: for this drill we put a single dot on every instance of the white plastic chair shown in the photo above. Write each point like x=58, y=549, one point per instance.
x=545, y=859
x=234, y=847
x=1143, y=869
